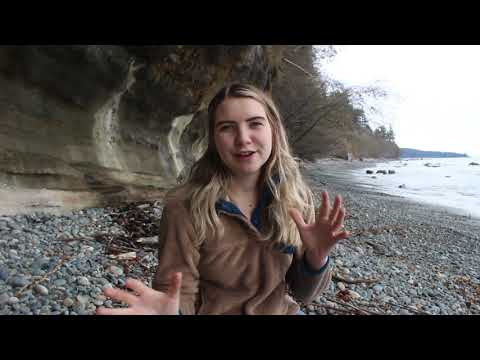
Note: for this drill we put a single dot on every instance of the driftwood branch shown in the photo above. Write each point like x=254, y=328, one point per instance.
x=297, y=66
x=44, y=277
x=333, y=308
x=361, y=311
x=337, y=277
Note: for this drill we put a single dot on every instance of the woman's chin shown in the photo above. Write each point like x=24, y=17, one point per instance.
x=247, y=170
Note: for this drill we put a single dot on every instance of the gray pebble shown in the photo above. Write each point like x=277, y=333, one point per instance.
x=4, y=273
x=19, y=281
x=4, y=299
x=60, y=282
x=115, y=270
x=107, y=286
x=68, y=302
x=40, y=289
x=83, y=299
x=13, y=300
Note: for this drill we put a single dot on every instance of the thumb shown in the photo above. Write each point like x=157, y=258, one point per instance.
x=297, y=217
x=175, y=284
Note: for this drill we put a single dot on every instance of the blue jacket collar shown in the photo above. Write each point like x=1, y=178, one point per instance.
x=266, y=198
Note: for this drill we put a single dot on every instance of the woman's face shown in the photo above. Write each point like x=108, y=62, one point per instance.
x=243, y=135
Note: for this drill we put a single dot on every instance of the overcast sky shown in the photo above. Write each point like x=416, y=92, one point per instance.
x=434, y=101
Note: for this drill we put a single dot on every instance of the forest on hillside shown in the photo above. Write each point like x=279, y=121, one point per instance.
x=323, y=117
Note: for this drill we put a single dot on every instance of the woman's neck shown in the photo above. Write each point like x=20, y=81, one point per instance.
x=244, y=193
x=246, y=186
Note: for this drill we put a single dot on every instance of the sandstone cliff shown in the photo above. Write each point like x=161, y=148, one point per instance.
x=89, y=124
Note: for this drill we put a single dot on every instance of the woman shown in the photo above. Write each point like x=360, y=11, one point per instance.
x=228, y=244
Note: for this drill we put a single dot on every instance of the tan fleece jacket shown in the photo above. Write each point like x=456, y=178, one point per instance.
x=239, y=273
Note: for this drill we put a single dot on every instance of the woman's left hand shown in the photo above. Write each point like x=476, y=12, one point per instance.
x=320, y=237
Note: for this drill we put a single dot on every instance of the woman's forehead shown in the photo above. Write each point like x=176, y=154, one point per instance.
x=239, y=109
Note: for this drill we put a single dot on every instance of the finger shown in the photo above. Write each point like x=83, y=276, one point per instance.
x=336, y=207
x=121, y=295
x=175, y=285
x=136, y=286
x=342, y=235
x=337, y=225
x=107, y=311
x=297, y=217
x=325, y=208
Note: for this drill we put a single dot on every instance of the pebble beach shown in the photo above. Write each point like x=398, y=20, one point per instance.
x=403, y=257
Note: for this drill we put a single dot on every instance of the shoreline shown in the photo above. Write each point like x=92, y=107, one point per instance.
x=425, y=257
x=338, y=172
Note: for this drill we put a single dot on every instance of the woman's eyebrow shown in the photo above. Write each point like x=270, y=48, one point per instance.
x=223, y=122
x=255, y=118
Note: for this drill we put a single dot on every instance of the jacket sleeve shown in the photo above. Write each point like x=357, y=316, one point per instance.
x=178, y=252
x=306, y=283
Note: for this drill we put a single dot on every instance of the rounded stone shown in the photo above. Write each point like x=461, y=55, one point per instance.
x=83, y=299
x=68, y=302
x=82, y=280
x=98, y=302
x=4, y=274
x=115, y=270
x=13, y=300
x=107, y=286
x=40, y=289
x=354, y=294
x=19, y=281
x=60, y=282
x=4, y=299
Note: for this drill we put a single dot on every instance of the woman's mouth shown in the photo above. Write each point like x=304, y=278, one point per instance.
x=245, y=154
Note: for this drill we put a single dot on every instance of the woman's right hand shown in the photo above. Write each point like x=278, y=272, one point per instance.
x=146, y=301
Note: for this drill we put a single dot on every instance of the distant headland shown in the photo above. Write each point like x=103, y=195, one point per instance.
x=414, y=153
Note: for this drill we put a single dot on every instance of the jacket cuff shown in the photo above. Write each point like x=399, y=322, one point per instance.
x=308, y=270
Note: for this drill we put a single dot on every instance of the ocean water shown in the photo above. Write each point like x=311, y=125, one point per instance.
x=450, y=182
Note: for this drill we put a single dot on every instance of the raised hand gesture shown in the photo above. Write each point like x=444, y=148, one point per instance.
x=145, y=301
x=320, y=237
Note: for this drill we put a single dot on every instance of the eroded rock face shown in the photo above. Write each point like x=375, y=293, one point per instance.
x=106, y=119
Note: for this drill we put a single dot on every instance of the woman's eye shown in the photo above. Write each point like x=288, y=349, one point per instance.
x=226, y=127
x=256, y=124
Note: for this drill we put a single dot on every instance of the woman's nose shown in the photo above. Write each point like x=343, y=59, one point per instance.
x=243, y=137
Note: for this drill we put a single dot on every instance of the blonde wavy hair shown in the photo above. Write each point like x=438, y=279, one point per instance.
x=209, y=177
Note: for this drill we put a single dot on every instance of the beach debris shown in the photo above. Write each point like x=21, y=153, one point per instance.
x=431, y=165
x=384, y=172
x=148, y=240
x=125, y=256
x=391, y=171
x=344, y=280
x=403, y=186
x=474, y=163
x=138, y=242
x=369, y=172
